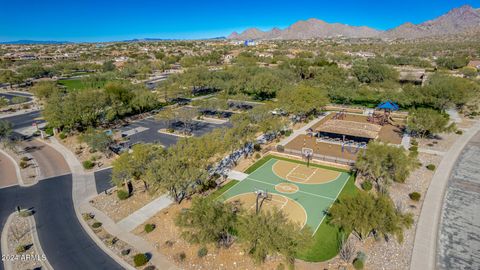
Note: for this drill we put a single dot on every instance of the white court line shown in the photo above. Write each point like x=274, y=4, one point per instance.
x=314, y=172
x=308, y=193
x=321, y=221
x=288, y=174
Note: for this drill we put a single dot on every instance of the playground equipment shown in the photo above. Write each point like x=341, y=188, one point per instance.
x=383, y=119
x=340, y=115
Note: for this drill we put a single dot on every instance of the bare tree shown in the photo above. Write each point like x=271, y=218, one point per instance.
x=346, y=248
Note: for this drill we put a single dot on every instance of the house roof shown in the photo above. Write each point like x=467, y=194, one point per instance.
x=350, y=128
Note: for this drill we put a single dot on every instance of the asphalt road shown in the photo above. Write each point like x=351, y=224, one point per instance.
x=10, y=95
x=459, y=237
x=103, y=179
x=65, y=243
x=24, y=120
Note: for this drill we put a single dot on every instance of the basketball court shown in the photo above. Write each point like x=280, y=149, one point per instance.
x=304, y=193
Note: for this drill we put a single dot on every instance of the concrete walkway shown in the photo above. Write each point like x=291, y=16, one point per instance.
x=236, y=175
x=84, y=189
x=143, y=214
x=425, y=246
x=431, y=152
x=302, y=130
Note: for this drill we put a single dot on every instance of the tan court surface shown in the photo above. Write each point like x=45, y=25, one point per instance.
x=302, y=174
x=304, y=193
x=292, y=209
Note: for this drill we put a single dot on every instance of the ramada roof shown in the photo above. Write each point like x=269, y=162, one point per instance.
x=350, y=128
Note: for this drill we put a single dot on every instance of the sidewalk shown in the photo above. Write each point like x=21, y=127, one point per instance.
x=236, y=175
x=143, y=214
x=302, y=130
x=424, y=253
x=83, y=189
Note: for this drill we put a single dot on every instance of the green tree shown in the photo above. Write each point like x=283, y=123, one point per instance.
x=424, y=122
x=271, y=232
x=385, y=163
x=108, y=66
x=373, y=72
x=97, y=140
x=302, y=100
x=5, y=131
x=365, y=215
x=45, y=89
x=207, y=221
x=4, y=102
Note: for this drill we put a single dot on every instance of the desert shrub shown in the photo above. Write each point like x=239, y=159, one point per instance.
x=149, y=227
x=431, y=167
x=96, y=225
x=180, y=257
x=25, y=213
x=140, y=259
x=25, y=159
x=169, y=243
x=257, y=156
x=62, y=135
x=367, y=185
x=202, y=252
x=170, y=130
x=280, y=148
x=415, y=196
x=359, y=261
x=459, y=132
x=20, y=249
x=288, y=133
x=125, y=252
x=23, y=164
x=49, y=131
x=123, y=195
x=88, y=164
x=88, y=216
x=413, y=148
x=414, y=142
x=257, y=147
x=358, y=264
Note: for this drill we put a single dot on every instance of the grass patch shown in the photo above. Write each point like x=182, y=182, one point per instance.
x=78, y=84
x=262, y=161
x=325, y=240
x=221, y=190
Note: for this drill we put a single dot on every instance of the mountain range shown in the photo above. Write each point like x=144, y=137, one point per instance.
x=456, y=21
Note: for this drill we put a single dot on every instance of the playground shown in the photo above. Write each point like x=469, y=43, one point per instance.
x=304, y=193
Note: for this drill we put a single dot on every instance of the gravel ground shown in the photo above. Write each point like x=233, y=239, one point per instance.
x=19, y=233
x=115, y=244
x=117, y=209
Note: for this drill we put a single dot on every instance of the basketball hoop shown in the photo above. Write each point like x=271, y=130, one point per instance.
x=262, y=195
x=308, y=154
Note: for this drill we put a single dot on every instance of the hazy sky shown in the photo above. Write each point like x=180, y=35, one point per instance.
x=101, y=20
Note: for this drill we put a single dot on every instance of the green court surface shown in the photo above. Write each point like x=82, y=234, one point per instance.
x=315, y=198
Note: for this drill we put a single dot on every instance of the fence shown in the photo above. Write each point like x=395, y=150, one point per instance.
x=338, y=160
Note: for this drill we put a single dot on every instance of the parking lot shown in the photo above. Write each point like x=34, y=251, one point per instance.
x=147, y=131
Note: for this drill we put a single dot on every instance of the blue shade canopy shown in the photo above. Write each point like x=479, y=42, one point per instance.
x=388, y=105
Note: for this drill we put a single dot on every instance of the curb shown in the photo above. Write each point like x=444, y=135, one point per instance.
x=4, y=242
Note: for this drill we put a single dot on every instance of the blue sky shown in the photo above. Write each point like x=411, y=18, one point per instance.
x=101, y=20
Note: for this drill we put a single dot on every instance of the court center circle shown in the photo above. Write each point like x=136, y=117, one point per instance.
x=288, y=188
